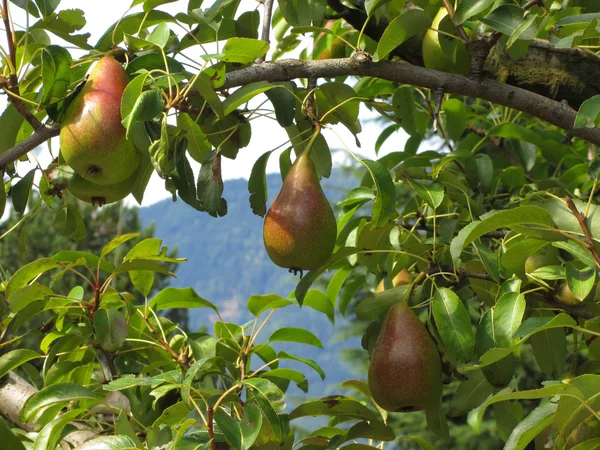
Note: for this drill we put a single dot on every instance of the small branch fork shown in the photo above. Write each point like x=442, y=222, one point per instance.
x=586, y=229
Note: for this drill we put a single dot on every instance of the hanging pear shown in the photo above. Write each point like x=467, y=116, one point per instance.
x=92, y=138
x=300, y=229
x=405, y=372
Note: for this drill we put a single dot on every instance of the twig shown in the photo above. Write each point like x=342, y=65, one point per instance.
x=439, y=99
x=22, y=148
x=211, y=431
x=266, y=28
x=311, y=112
x=459, y=28
x=586, y=230
x=12, y=84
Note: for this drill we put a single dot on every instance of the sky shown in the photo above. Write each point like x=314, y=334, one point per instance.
x=266, y=133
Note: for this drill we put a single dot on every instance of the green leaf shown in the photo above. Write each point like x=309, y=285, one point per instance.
x=67, y=256
x=577, y=251
x=205, y=88
x=210, y=185
x=335, y=405
x=318, y=301
x=142, y=264
x=454, y=325
x=52, y=395
x=110, y=328
x=108, y=443
x=28, y=272
x=258, y=303
x=257, y=185
x=21, y=191
x=171, y=298
x=337, y=102
x=56, y=73
x=288, y=374
x=309, y=362
x=160, y=35
x=146, y=107
x=432, y=193
x=406, y=25
x=404, y=102
x=250, y=425
x=549, y=348
x=507, y=19
x=270, y=400
x=580, y=281
x=522, y=215
x=299, y=335
x=375, y=306
x=384, y=207
x=469, y=8
x=13, y=359
x=531, y=426
x=244, y=94
x=230, y=428
x=588, y=115
x=50, y=435
x=303, y=12
x=116, y=242
x=26, y=295
x=10, y=121
x=8, y=438
x=284, y=103
x=243, y=50
x=470, y=394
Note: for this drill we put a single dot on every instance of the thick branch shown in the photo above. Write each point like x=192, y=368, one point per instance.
x=499, y=93
x=22, y=148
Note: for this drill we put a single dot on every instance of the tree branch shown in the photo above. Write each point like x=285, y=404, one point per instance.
x=582, y=219
x=266, y=26
x=22, y=148
x=531, y=103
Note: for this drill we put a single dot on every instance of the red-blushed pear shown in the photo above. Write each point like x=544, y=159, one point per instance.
x=405, y=372
x=300, y=229
x=92, y=138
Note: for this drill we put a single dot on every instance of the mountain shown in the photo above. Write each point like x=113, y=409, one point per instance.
x=227, y=263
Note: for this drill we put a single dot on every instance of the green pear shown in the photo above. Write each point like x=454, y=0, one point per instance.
x=101, y=194
x=565, y=295
x=405, y=372
x=92, y=138
x=546, y=257
x=433, y=55
x=300, y=229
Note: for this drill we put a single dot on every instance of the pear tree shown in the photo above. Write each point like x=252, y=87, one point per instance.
x=467, y=251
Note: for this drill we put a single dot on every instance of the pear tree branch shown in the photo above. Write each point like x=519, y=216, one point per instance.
x=22, y=148
x=551, y=111
x=536, y=105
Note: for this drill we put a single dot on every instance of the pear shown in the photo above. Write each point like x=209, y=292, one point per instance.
x=101, y=194
x=405, y=372
x=92, y=138
x=403, y=277
x=300, y=229
x=433, y=55
x=546, y=257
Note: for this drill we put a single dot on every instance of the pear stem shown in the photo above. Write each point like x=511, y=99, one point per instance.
x=313, y=138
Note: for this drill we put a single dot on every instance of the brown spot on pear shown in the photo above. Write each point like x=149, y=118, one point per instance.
x=300, y=229
x=405, y=372
x=92, y=138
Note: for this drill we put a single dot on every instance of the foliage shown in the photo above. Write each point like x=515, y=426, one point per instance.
x=461, y=210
